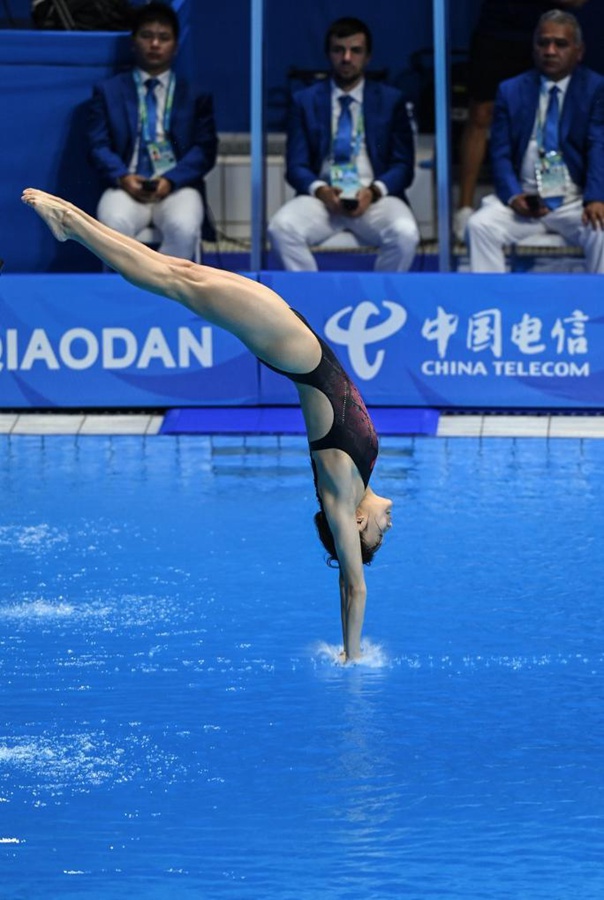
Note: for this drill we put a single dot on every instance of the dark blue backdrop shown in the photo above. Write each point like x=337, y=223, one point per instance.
x=294, y=36
x=47, y=78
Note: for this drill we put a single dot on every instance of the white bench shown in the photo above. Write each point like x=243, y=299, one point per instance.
x=546, y=253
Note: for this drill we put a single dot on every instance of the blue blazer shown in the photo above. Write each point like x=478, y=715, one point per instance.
x=112, y=127
x=581, y=131
x=388, y=136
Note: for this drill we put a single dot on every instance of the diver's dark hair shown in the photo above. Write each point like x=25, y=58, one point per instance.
x=155, y=12
x=346, y=27
x=326, y=538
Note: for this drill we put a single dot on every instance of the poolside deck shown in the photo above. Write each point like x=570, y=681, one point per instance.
x=449, y=425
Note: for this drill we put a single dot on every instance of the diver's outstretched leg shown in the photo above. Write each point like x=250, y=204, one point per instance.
x=137, y=263
x=246, y=308
x=63, y=217
x=51, y=209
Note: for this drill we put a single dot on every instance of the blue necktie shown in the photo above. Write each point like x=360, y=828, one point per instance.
x=550, y=135
x=144, y=166
x=342, y=143
x=552, y=121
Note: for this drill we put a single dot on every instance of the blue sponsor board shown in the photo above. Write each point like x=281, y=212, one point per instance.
x=96, y=341
x=457, y=340
x=425, y=340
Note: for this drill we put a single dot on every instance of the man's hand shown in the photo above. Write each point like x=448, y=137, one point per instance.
x=164, y=187
x=365, y=198
x=593, y=214
x=330, y=196
x=134, y=185
x=522, y=206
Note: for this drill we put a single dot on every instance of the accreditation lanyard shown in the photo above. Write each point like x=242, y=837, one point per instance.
x=142, y=106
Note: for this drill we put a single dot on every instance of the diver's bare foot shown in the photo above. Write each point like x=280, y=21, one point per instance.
x=53, y=210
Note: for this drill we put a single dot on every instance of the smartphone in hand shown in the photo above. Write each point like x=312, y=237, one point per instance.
x=533, y=201
x=150, y=184
x=349, y=203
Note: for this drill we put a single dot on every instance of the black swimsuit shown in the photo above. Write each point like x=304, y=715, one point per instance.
x=352, y=430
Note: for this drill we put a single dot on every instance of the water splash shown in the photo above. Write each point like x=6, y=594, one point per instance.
x=37, y=609
x=373, y=655
x=78, y=762
x=121, y=609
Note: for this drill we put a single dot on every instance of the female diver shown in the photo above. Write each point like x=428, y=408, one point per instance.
x=352, y=519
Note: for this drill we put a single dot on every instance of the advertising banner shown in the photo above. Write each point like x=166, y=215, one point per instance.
x=417, y=340
x=511, y=341
x=96, y=341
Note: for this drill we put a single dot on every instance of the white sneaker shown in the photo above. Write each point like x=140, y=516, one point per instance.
x=460, y=223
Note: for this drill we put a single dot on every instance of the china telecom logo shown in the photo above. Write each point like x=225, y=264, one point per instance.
x=350, y=327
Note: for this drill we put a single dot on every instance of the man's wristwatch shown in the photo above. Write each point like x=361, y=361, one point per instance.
x=375, y=193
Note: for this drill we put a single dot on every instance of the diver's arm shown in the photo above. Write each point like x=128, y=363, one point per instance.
x=352, y=604
x=353, y=591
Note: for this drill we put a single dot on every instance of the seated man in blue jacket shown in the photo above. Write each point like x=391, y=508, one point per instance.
x=153, y=139
x=547, y=146
x=350, y=158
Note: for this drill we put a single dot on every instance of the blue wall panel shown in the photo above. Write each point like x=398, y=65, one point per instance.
x=46, y=80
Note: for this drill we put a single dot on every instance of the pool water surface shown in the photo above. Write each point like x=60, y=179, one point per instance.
x=173, y=723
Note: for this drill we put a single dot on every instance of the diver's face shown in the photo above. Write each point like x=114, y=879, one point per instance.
x=376, y=521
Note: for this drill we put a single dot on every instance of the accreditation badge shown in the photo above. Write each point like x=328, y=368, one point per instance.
x=162, y=156
x=346, y=177
x=551, y=175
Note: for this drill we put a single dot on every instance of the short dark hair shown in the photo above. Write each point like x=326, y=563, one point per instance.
x=326, y=538
x=561, y=17
x=346, y=27
x=155, y=11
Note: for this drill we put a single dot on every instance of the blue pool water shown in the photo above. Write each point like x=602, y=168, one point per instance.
x=172, y=722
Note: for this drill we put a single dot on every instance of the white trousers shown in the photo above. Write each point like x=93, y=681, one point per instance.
x=177, y=217
x=494, y=225
x=305, y=221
